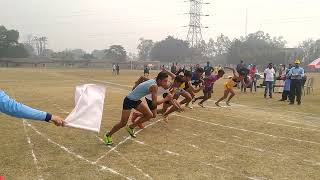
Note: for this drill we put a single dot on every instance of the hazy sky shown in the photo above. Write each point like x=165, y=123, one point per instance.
x=97, y=24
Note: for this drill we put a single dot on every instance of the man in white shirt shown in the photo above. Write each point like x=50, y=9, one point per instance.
x=113, y=69
x=269, y=79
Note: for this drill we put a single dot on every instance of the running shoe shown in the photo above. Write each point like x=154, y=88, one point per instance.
x=131, y=131
x=107, y=140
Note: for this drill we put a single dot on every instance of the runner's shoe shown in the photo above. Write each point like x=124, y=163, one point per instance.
x=130, y=131
x=107, y=140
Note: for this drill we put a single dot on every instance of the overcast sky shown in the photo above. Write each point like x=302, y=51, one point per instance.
x=97, y=24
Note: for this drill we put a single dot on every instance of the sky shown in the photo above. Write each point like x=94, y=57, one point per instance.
x=97, y=24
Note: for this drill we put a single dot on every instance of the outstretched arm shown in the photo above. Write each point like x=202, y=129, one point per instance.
x=13, y=108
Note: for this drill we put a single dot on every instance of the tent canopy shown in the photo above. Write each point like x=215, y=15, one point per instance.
x=315, y=64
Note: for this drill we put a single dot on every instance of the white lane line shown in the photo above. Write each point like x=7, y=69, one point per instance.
x=277, y=124
x=108, y=82
x=35, y=160
x=245, y=130
x=186, y=157
x=126, y=139
x=104, y=168
x=145, y=174
x=137, y=168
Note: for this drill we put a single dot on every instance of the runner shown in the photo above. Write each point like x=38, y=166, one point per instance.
x=208, y=84
x=167, y=100
x=197, y=77
x=132, y=101
x=189, y=88
x=228, y=86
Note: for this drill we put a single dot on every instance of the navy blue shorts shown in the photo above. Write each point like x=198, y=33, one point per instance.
x=150, y=105
x=129, y=104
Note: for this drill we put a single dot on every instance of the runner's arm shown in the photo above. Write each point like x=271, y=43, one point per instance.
x=153, y=91
x=170, y=74
x=193, y=89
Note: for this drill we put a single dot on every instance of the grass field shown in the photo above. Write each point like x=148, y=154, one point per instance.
x=256, y=138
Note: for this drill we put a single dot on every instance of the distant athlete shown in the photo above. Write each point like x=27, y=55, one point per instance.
x=228, y=86
x=207, y=87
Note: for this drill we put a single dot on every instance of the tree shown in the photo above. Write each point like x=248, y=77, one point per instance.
x=77, y=53
x=99, y=54
x=9, y=45
x=222, y=45
x=64, y=55
x=311, y=49
x=170, y=50
x=257, y=48
x=210, y=50
x=144, y=48
x=116, y=53
x=88, y=56
x=29, y=48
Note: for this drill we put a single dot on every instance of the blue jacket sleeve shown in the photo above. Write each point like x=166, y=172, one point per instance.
x=13, y=108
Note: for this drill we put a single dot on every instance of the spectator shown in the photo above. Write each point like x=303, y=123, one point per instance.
x=208, y=69
x=269, y=79
x=146, y=71
x=296, y=74
x=286, y=90
x=174, y=68
x=118, y=69
x=253, y=74
x=113, y=69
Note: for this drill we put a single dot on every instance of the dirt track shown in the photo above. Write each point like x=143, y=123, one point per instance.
x=239, y=142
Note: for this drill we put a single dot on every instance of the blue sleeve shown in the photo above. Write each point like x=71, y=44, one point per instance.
x=13, y=108
x=302, y=72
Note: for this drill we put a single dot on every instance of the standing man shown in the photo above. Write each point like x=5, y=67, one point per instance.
x=118, y=69
x=146, y=71
x=113, y=69
x=269, y=79
x=242, y=67
x=208, y=69
x=253, y=74
x=174, y=68
x=296, y=74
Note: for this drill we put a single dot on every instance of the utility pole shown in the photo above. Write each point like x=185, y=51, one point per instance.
x=246, y=25
x=194, y=36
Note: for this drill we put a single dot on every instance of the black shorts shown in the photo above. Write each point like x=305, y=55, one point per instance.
x=164, y=96
x=129, y=104
x=150, y=105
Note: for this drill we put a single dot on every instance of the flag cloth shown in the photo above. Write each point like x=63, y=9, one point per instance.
x=87, y=114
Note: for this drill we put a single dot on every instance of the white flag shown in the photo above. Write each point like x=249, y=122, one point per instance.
x=87, y=114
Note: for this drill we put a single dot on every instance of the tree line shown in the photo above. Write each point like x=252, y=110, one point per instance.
x=257, y=48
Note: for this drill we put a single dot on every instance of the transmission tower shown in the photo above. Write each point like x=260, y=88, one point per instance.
x=194, y=36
